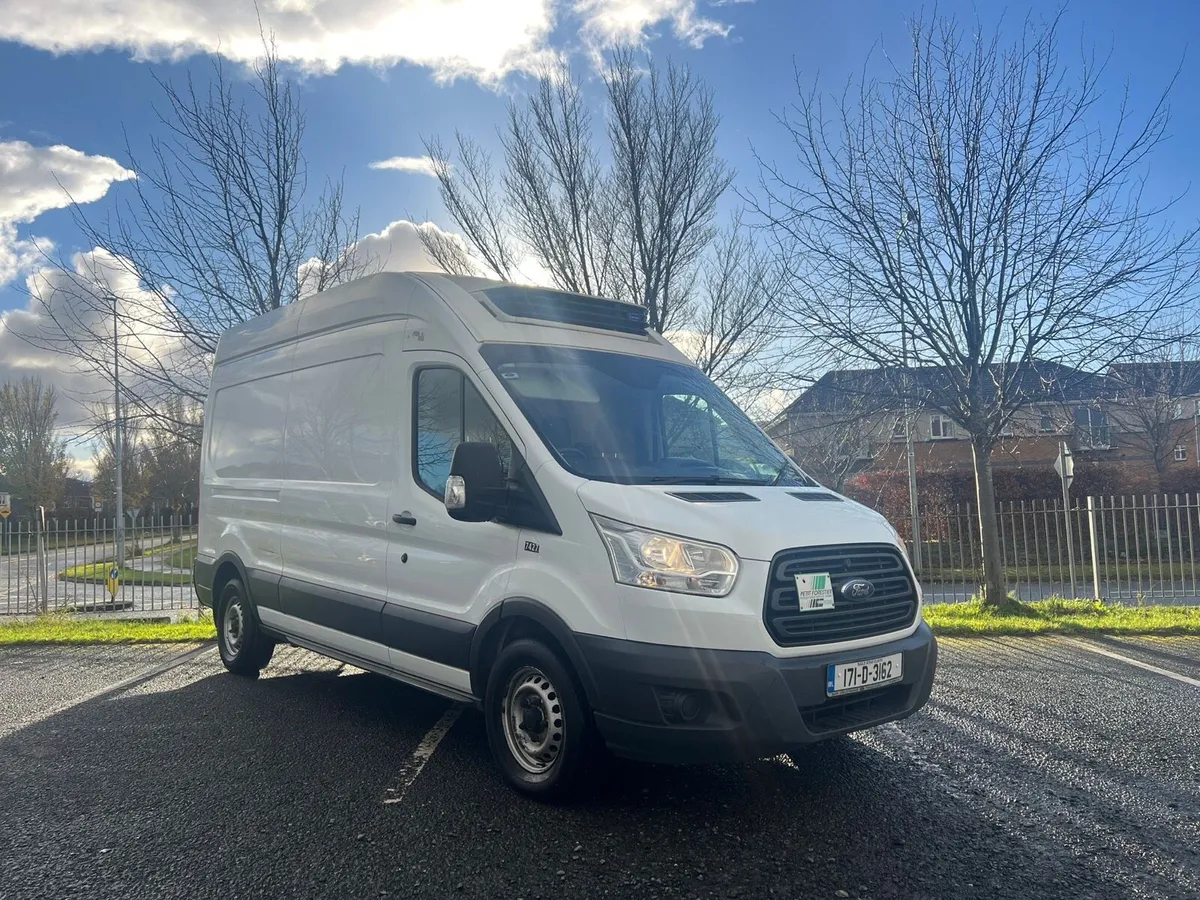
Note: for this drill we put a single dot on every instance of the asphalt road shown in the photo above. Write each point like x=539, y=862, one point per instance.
x=1040, y=769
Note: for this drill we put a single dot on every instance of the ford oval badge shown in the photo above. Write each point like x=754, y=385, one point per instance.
x=857, y=589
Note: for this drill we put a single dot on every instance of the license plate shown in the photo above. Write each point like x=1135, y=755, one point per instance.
x=846, y=678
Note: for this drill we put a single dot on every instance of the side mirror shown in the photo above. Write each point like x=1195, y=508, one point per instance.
x=477, y=489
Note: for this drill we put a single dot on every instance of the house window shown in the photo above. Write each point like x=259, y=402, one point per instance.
x=1091, y=427
x=940, y=426
x=1180, y=453
x=1179, y=410
x=898, y=430
x=1046, y=424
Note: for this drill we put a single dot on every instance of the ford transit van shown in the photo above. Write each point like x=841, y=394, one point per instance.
x=528, y=501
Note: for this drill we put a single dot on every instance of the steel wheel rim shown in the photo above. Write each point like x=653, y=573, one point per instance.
x=234, y=627
x=533, y=720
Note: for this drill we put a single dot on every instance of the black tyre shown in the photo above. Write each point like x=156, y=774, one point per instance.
x=245, y=650
x=539, y=725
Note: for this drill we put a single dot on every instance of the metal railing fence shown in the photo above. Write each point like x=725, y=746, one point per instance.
x=64, y=567
x=1128, y=549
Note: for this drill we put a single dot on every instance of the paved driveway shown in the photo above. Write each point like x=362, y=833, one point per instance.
x=1042, y=768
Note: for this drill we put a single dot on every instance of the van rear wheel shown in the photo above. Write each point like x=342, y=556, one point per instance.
x=539, y=726
x=245, y=650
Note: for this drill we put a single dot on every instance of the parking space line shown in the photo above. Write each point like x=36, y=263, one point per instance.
x=411, y=769
x=1092, y=648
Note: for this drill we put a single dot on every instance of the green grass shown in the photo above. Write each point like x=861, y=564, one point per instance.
x=64, y=630
x=180, y=556
x=1057, y=616
x=95, y=573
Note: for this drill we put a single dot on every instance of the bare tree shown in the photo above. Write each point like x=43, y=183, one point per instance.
x=668, y=177
x=172, y=460
x=634, y=229
x=967, y=215
x=134, y=468
x=33, y=456
x=833, y=428
x=1147, y=403
x=732, y=320
x=473, y=199
x=222, y=227
x=559, y=197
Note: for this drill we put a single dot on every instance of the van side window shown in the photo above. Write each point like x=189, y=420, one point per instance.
x=449, y=410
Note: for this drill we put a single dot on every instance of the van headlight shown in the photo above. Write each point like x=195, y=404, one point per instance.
x=664, y=562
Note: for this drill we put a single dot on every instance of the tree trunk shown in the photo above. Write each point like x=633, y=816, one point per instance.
x=995, y=592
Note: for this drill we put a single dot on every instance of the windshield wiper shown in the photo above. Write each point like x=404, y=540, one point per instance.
x=783, y=470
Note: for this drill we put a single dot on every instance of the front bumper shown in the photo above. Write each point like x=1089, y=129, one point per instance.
x=682, y=705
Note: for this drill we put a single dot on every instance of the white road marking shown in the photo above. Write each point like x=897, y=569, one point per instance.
x=916, y=754
x=1092, y=648
x=411, y=769
x=112, y=689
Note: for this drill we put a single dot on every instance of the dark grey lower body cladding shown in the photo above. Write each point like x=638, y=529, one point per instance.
x=689, y=705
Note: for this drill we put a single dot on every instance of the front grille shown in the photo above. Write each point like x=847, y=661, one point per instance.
x=892, y=607
x=855, y=711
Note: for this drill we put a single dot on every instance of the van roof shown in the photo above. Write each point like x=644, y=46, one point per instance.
x=491, y=311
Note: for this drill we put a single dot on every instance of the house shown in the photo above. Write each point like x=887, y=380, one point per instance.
x=1155, y=408
x=851, y=421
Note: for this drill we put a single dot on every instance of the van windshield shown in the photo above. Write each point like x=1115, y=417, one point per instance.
x=633, y=420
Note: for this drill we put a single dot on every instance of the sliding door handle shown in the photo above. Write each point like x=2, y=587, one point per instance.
x=404, y=518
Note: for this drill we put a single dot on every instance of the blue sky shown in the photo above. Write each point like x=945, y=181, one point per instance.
x=380, y=74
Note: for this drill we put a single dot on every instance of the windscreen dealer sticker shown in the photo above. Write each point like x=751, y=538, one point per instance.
x=814, y=591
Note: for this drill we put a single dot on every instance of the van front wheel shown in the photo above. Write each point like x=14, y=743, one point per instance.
x=245, y=650
x=539, y=726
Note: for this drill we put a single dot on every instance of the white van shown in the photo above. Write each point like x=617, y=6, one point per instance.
x=528, y=501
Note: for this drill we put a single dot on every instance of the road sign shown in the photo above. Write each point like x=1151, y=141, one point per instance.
x=112, y=581
x=5, y=505
x=1064, y=465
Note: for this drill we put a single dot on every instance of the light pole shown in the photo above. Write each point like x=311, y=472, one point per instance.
x=909, y=450
x=118, y=441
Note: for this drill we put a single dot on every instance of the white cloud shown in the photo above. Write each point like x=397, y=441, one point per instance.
x=607, y=23
x=34, y=180
x=483, y=39
x=421, y=165
x=398, y=248
x=59, y=302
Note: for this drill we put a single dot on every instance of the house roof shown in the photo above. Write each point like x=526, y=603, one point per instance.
x=866, y=390
x=1173, y=379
